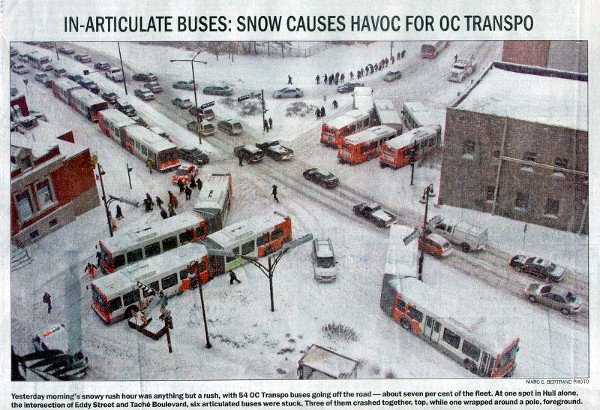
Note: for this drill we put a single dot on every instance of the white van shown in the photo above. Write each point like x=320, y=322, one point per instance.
x=469, y=237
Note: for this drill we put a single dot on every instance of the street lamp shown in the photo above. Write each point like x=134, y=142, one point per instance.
x=100, y=173
x=195, y=266
x=192, y=61
x=427, y=193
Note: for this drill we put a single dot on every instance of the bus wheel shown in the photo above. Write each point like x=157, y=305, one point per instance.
x=565, y=311
x=532, y=299
x=130, y=310
x=465, y=247
x=471, y=366
x=406, y=324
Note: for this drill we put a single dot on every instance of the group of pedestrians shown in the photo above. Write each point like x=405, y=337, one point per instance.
x=331, y=79
x=267, y=124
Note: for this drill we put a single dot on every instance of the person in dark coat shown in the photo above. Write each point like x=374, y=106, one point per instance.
x=163, y=213
x=240, y=159
x=148, y=205
x=171, y=210
x=159, y=202
x=270, y=123
x=180, y=185
x=322, y=111
x=173, y=200
x=199, y=184
x=47, y=299
x=289, y=79
x=119, y=213
x=318, y=113
x=149, y=198
x=233, y=278
x=318, y=79
x=265, y=125
x=274, y=193
x=91, y=269
x=335, y=104
x=402, y=53
x=188, y=193
x=342, y=77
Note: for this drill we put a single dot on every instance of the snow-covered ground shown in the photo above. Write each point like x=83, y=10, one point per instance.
x=249, y=341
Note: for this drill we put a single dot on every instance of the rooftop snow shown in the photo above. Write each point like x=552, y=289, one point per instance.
x=536, y=98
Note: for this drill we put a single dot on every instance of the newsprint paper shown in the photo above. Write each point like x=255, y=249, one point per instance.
x=311, y=204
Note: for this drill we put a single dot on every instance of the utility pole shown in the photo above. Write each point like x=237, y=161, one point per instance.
x=427, y=193
x=100, y=173
x=264, y=109
x=413, y=154
x=122, y=69
x=195, y=265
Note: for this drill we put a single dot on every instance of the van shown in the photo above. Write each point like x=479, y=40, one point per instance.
x=435, y=245
x=231, y=127
x=469, y=237
x=324, y=262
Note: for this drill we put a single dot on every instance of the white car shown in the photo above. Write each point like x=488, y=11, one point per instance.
x=288, y=92
x=20, y=69
x=324, y=262
x=114, y=74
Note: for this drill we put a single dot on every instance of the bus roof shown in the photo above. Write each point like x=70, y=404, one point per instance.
x=214, y=192
x=87, y=97
x=150, y=139
x=370, y=134
x=387, y=113
x=65, y=84
x=116, y=117
x=409, y=138
x=146, y=270
x=233, y=234
x=125, y=239
x=424, y=115
x=347, y=118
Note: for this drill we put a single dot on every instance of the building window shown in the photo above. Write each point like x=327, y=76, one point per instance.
x=34, y=234
x=522, y=201
x=529, y=156
x=24, y=205
x=552, y=207
x=44, y=194
x=496, y=153
x=26, y=162
x=53, y=223
x=468, y=149
x=489, y=193
x=560, y=163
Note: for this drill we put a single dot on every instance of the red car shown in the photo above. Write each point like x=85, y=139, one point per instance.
x=184, y=173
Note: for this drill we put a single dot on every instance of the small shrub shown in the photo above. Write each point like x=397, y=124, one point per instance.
x=339, y=331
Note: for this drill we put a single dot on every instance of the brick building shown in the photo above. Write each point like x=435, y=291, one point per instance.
x=560, y=55
x=516, y=145
x=51, y=182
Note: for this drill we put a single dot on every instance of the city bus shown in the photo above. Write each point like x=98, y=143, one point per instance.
x=118, y=296
x=480, y=343
x=397, y=152
x=255, y=237
x=61, y=88
x=146, y=145
x=363, y=99
x=40, y=61
x=365, y=145
x=431, y=50
x=83, y=101
x=113, y=122
x=125, y=248
x=416, y=115
x=388, y=115
x=214, y=201
x=334, y=131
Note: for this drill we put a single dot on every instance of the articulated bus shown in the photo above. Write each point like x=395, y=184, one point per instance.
x=431, y=50
x=214, y=201
x=397, y=152
x=40, y=61
x=416, y=115
x=113, y=122
x=257, y=237
x=363, y=99
x=480, y=343
x=83, y=101
x=334, y=131
x=365, y=145
x=388, y=115
x=117, y=296
x=125, y=248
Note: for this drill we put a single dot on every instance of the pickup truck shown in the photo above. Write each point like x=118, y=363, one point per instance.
x=462, y=68
x=375, y=213
x=275, y=150
x=461, y=233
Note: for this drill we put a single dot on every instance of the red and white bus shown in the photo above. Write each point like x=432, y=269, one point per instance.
x=431, y=50
x=118, y=296
x=82, y=100
x=140, y=141
x=365, y=145
x=416, y=115
x=397, y=152
x=258, y=236
x=334, y=131
x=214, y=201
x=363, y=99
x=480, y=343
x=125, y=248
x=388, y=115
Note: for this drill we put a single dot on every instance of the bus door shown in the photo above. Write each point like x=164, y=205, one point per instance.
x=216, y=265
x=432, y=329
x=486, y=365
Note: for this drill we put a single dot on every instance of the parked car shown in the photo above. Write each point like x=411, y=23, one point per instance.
x=541, y=268
x=184, y=85
x=435, y=245
x=66, y=50
x=41, y=77
x=184, y=173
x=193, y=155
x=181, y=103
x=349, y=87
x=60, y=72
x=288, y=92
x=203, y=126
x=90, y=85
x=20, y=69
x=47, y=44
x=375, y=213
x=553, y=296
x=249, y=153
x=102, y=65
x=275, y=150
x=110, y=97
x=114, y=74
x=153, y=86
x=74, y=77
x=147, y=77
x=144, y=94
x=324, y=262
x=206, y=113
x=126, y=108
x=231, y=127
x=392, y=76
x=321, y=177
x=218, y=90
x=83, y=58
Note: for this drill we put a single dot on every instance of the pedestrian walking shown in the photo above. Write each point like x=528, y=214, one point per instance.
x=193, y=183
x=233, y=278
x=163, y=213
x=240, y=159
x=91, y=269
x=164, y=302
x=318, y=79
x=270, y=123
x=335, y=104
x=149, y=164
x=342, y=77
x=265, y=125
x=173, y=201
x=188, y=193
x=398, y=56
x=289, y=79
x=47, y=299
x=402, y=54
x=274, y=193
x=455, y=57
x=199, y=184
x=171, y=210
x=180, y=185
x=113, y=223
x=119, y=214
x=147, y=205
x=322, y=111
x=159, y=202
x=318, y=113
x=98, y=257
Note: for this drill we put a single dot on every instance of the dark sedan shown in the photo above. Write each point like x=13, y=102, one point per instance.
x=541, y=268
x=193, y=155
x=146, y=77
x=321, y=177
x=375, y=213
x=349, y=87
x=110, y=97
x=218, y=90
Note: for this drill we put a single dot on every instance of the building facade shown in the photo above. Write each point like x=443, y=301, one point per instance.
x=560, y=55
x=516, y=145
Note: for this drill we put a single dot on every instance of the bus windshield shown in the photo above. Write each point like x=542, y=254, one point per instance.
x=508, y=356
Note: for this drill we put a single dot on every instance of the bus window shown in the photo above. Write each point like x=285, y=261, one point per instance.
x=114, y=304
x=134, y=256
x=154, y=285
x=186, y=236
x=472, y=351
x=415, y=314
x=400, y=305
x=451, y=338
x=119, y=261
x=247, y=247
x=200, y=232
x=232, y=258
x=169, y=243
x=202, y=266
x=262, y=240
x=131, y=297
x=169, y=281
x=276, y=234
x=152, y=249
x=184, y=274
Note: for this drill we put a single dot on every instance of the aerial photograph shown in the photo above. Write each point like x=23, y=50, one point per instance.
x=280, y=210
